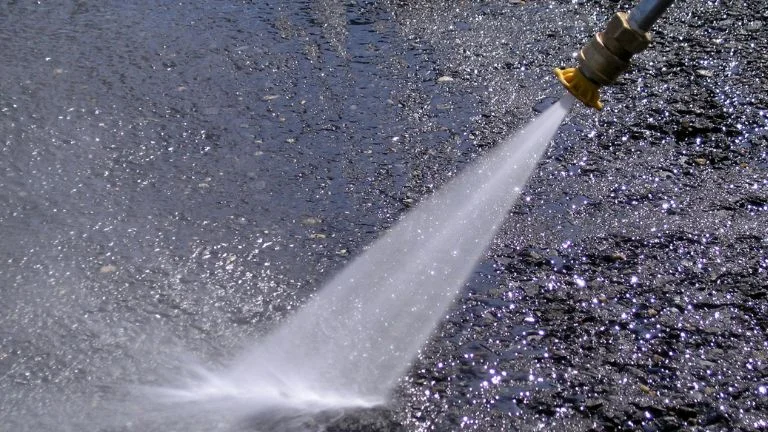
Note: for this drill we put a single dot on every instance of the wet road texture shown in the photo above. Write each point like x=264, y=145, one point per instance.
x=177, y=177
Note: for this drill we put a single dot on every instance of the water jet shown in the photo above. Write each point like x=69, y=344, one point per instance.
x=352, y=342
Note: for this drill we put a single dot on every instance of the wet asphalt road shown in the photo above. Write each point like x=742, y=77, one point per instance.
x=178, y=177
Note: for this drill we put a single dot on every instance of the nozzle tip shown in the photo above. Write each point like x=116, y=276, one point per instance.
x=580, y=86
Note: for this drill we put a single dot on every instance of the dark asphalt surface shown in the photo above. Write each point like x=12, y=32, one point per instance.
x=176, y=178
x=628, y=291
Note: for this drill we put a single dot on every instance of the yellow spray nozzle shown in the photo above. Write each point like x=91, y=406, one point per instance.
x=580, y=86
x=607, y=54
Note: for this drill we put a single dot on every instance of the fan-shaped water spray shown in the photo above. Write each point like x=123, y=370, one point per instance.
x=352, y=342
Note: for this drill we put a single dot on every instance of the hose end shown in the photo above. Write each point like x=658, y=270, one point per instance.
x=580, y=86
x=603, y=59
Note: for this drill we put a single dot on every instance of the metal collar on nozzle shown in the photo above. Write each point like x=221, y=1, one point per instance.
x=607, y=54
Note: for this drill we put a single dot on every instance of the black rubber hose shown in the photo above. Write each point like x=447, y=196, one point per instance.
x=646, y=13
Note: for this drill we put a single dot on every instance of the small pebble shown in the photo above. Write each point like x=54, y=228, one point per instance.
x=532, y=255
x=754, y=26
x=593, y=404
x=109, y=268
x=617, y=256
x=443, y=79
x=311, y=221
x=531, y=290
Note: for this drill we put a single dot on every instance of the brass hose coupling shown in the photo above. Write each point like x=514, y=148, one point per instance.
x=607, y=54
